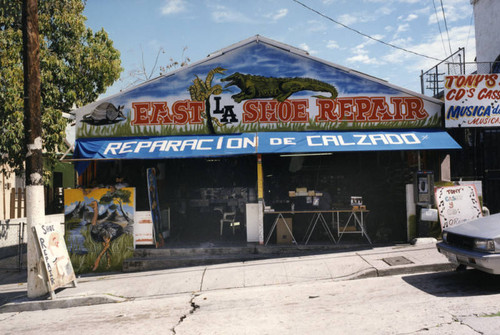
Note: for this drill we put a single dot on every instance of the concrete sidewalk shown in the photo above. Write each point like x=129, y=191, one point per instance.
x=337, y=266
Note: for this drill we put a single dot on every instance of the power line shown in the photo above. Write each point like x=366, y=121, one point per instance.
x=439, y=26
x=365, y=35
x=446, y=26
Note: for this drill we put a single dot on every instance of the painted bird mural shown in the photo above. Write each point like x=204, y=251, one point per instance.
x=103, y=231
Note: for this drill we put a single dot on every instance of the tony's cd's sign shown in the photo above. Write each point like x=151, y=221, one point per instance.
x=457, y=204
x=472, y=101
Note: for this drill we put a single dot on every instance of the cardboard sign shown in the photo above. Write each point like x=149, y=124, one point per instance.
x=472, y=100
x=457, y=205
x=55, y=256
x=143, y=228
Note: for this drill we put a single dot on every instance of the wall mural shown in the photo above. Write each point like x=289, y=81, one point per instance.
x=99, y=227
x=256, y=88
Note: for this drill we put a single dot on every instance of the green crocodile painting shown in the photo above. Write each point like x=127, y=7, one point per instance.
x=255, y=87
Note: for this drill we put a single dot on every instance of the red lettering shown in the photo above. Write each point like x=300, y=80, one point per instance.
x=363, y=107
x=267, y=111
x=380, y=110
x=345, y=109
x=300, y=107
x=285, y=111
x=272, y=111
x=415, y=109
x=398, y=108
x=197, y=107
x=141, y=110
x=250, y=111
x=491, y=80
x=326, y=110
x=160, y=114
x=180, y=111
x=449, y=81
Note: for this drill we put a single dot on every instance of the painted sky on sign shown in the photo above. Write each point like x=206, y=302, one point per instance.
x=145, y=29
x=264, y=60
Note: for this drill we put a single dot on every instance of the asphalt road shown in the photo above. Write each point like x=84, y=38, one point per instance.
x=428, y=303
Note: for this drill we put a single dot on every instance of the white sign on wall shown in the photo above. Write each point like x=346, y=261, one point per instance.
x=472, y=101
x=143, y=228
x=457, y=204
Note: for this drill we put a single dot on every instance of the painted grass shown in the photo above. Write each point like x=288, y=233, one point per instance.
x=121, y=249
x=124, y=129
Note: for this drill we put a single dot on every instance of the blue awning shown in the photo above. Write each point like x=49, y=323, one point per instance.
x=304, y=142
x=191, y=146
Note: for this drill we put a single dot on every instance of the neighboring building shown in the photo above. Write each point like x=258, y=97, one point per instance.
x=487, y=26
x=480, y=157
x=11, y=196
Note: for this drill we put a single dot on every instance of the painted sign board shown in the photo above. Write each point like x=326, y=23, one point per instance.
x=457, y=204
x=55, y=256
x=257, y=86
x=99, y=227
x=472, y=101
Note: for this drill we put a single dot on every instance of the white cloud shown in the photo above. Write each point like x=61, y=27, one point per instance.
x=361, y=54
x=173, y=7
x=280, y=14
x=222, y=14
x=401, y=28
x=433, y=48
x=331, y=44
x=364, y=59
x=347, y=19
x=316, y=26
x=306, y=47
x=383, y=11
x=454, y=10
x=411, y=17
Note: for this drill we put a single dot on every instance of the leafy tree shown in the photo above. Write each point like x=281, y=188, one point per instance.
x=76, y=66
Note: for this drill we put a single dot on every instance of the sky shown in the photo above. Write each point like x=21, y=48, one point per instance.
x=149, y=32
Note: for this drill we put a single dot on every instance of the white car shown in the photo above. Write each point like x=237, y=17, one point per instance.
x=475, y=243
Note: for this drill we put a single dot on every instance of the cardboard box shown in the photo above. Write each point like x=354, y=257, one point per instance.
x=283, y=236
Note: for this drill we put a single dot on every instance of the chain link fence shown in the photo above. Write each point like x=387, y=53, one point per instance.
x=14, y=238
x=13, y=244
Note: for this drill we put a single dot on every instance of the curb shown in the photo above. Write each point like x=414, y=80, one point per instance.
x=30, y=305
x=416, y=269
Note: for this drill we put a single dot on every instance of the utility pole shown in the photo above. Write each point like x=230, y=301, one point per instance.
x=35, y=204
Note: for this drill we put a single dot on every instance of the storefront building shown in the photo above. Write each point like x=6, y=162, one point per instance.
x=262, y=123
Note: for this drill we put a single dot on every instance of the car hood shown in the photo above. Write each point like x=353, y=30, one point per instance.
x=487, y=227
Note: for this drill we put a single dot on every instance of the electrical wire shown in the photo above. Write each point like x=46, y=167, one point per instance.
x=365, y=35
x=439, y=26
x=470, y=29
x=446, y=26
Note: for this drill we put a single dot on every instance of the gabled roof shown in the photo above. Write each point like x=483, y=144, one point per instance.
x=284, y=47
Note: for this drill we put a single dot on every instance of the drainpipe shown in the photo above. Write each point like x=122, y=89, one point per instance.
x=260, y=197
